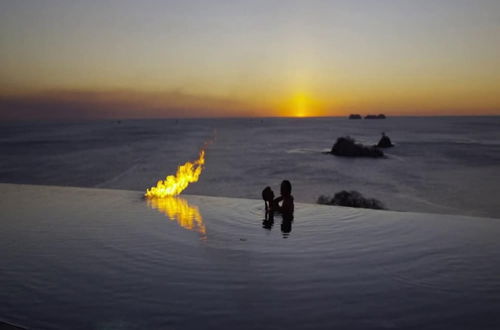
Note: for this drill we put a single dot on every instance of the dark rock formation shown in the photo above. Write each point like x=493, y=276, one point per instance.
x=380, y=116
x=354, y=116
x=347, y=147
x=351, y=199
x=385, y=142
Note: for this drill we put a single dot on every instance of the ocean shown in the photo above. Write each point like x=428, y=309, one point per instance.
x=448, y=165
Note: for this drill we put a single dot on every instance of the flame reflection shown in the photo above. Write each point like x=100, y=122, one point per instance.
x=178, y=209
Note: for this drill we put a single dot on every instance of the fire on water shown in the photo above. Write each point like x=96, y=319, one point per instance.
x=173, y=185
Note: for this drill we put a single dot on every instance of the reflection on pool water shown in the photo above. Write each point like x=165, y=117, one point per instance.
x=76, y=258
x=178, y=209
x=286, y=222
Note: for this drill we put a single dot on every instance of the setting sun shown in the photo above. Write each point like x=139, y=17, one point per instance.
x=302, y=104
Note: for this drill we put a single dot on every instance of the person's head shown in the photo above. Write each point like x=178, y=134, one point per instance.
x=267, y=194
x=286, y=188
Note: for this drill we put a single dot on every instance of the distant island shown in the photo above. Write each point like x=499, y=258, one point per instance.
x=379, y=116
x=358, y=116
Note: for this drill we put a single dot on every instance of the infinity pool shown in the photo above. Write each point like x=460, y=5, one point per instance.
x=75, y=258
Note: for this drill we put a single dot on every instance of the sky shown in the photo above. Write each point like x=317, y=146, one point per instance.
x=158, y=58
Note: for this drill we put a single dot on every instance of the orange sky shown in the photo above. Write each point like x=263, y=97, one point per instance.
x=259, y=58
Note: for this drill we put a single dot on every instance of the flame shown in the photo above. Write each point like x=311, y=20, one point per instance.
x=173, y=185
x=178, y=209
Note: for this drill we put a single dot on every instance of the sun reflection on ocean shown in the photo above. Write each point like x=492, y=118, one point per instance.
x=178, y=209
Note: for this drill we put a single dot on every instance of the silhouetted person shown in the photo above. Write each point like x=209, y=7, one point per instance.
x=273, y=205
x=286, y=199
x=268, y=197
x=268, y=222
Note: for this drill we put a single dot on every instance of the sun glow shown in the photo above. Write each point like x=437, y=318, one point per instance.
x=302, y=105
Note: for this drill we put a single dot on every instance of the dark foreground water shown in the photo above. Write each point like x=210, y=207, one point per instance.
x=76, y=258
x=440, y=165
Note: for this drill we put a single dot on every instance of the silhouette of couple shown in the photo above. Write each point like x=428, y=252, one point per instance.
x=273, y=205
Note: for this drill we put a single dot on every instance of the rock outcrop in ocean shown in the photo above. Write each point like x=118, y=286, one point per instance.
x=347, y=147
x=351, y=199
x=385, y=142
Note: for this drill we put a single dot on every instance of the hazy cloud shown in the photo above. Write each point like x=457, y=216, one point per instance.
x=82, y=104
